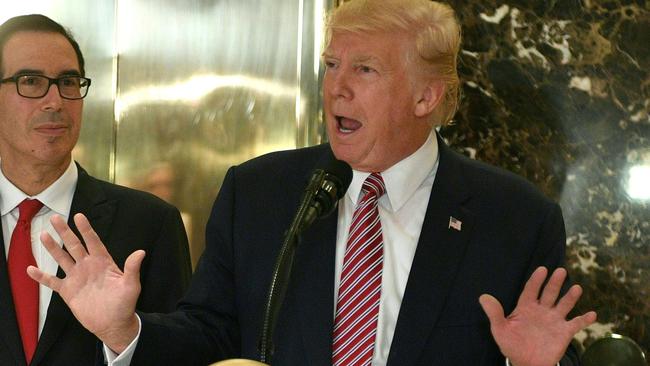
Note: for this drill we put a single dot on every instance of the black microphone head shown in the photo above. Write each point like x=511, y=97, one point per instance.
x=340, y=173
x=326, y=186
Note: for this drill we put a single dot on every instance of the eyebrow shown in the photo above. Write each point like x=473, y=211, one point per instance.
x=70, y=72
x=356, y=59
x=365, y=59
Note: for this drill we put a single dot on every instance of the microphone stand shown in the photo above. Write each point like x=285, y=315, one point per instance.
x=283, y=267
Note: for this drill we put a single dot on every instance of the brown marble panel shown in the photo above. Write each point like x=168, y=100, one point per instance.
x=559, y=92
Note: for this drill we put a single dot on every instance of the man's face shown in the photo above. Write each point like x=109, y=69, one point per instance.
x=38, y=131
x=370, y=97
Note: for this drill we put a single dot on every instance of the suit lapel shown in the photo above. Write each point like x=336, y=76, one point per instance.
x=316, y=291
x=440, y=250
x=312, y=282
x=90, y=200
x=9, y=334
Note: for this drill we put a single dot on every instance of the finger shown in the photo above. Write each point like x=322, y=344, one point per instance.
x=493, y=309
x=132, y=266
x=60, y=256
x=70, y=239
x=569, y=300
x=533, y=285
x=41, y=277
x=580, y=322
x=552, y=289
x=93, y=242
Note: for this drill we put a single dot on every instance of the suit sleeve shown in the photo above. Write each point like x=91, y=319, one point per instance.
x=550, y=252
x=167, y=268
x=204, y=328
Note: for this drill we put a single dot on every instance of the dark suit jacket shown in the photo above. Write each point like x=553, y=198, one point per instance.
x=126, y=220
x=508, y=229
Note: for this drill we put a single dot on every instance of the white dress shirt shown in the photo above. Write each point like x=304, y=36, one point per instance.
x=56, y=199
x=401, y=210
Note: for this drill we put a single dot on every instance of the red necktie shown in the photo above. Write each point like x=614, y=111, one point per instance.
x=23, y=288
x=357, y=308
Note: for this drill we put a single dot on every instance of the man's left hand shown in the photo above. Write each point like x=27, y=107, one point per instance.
x=537, y=332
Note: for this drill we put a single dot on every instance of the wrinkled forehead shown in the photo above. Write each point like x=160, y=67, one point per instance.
x=369, y=46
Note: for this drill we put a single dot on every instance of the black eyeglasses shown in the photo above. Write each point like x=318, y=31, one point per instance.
x=37, y=86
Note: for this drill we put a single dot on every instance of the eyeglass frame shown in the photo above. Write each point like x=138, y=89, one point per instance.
x=51, y=81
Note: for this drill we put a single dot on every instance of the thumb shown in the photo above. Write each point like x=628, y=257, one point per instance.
x=493, y=309
x=132, y=265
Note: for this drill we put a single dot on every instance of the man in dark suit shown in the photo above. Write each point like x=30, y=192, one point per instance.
x=401, y=275
x=41, y=98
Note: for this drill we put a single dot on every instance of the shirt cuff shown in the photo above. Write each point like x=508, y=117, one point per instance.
x=124, y=358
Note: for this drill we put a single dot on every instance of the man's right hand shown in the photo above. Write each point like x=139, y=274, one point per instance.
x=100, y=295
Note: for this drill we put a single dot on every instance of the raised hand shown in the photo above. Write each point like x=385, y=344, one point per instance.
x=100, y=295
x=537, y=333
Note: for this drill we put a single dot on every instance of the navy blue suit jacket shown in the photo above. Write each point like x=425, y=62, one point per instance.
x=125, y=220
x=508, y=229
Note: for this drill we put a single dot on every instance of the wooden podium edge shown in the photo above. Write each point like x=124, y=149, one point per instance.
x=238, y=362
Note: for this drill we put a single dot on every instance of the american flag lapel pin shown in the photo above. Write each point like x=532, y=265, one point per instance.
x=454, y=223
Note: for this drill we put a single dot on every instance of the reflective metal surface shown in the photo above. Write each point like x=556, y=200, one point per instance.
x=183, y=90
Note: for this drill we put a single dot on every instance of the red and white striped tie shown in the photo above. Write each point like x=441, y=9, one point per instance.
x=357, y=308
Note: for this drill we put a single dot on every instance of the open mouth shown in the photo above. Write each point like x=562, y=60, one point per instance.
x=347, y=125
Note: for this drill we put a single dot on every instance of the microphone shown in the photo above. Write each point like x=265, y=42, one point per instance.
x=325, y=187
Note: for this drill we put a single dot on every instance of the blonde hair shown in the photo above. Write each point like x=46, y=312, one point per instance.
x=432, y=25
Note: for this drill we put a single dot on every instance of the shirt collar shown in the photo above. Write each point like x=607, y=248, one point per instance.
x=403, y=178
x=57, y=197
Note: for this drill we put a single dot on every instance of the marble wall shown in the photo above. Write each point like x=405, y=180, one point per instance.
x=558, y=91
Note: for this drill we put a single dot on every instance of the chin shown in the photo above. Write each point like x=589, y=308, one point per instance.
x=347, y=154
x=340, y=152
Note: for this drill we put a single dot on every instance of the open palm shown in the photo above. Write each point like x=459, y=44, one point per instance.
x=537, y=333
x=98, y=293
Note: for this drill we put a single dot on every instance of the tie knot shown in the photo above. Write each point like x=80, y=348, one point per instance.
x=374, y=184
x=28, y=209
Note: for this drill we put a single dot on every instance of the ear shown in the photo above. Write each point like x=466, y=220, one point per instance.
x=430, y=96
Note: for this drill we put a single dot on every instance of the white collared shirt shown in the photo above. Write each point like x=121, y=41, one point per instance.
x=56, y=199
x=401, y=210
